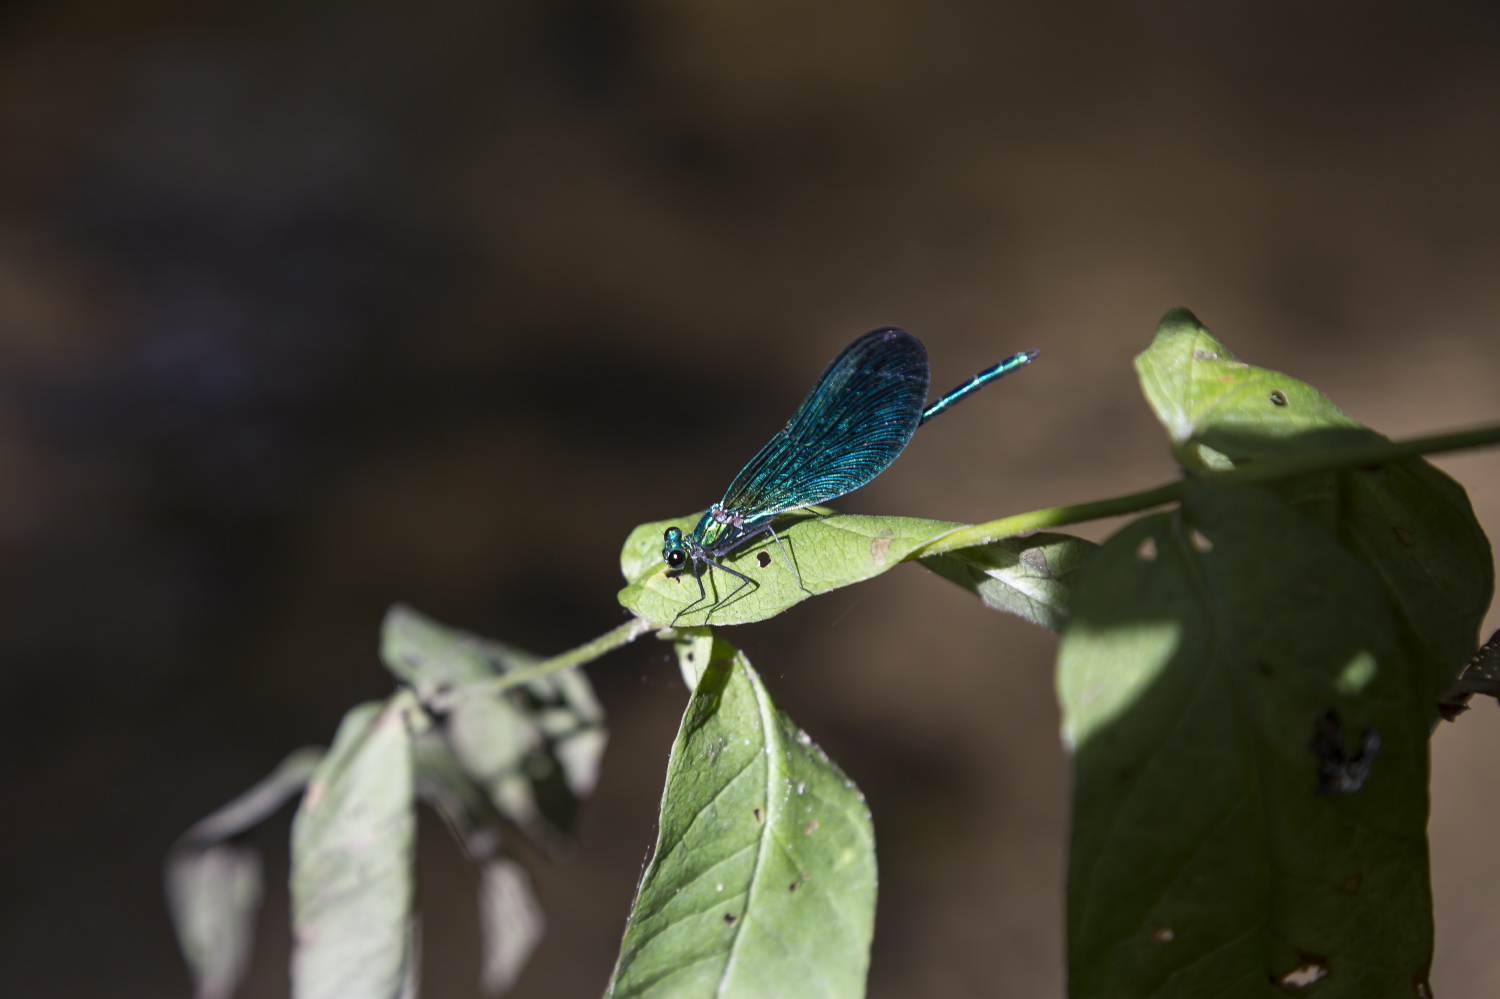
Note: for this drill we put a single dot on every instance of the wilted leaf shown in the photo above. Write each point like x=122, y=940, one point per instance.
x=214, y=887
x=510, y=921
x=829, y=552
x=1207, y=652
x=1030, y=577
x=763, y=879
x=214, y=895
x=534, y=749
x=443, y=784
x=352, y=854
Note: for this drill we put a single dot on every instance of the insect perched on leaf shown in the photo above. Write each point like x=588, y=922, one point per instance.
x=858, y=417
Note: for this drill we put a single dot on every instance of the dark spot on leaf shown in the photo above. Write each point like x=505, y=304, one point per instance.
x=1037, y=560
x=810, y=828
x=794, y=886
x=1264, y=668
x=1339, y=770
x=1125, y=775
x=1146, y=550
x=690, y=655
x=759, y=816
x=1205, y=355
x=764, y=558
x=1351, y=886
x=1404, y=536
x=1163, y=934
x=1310, y=968
x=1278, y=398
x=1311, y=589
x=730, y=919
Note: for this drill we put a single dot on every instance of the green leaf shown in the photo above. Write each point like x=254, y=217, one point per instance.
x=434, y=658
x=511, y=923
x=214, y=887
x=214, y=895
x=763, y=879
x=535, y=749
x=1408, y=521
x=1030, y=577
x=352, y=854
x=830, y=552
x=1206, y=651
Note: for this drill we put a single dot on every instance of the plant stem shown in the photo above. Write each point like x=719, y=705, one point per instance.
x=585, y=653
x=1375, y=452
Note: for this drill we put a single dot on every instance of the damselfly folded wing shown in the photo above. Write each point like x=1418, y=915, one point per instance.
x=858, y=417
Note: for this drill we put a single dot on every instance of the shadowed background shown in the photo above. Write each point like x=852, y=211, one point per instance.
x=307, y=308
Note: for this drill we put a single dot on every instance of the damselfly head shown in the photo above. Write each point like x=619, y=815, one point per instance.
x=673, y=551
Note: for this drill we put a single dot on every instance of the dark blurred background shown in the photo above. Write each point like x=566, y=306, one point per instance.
x=310, y=307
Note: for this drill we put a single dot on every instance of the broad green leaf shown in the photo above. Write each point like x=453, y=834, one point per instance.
x=763, y=879
x=1407, y=520
x=1220, y=663
x=352, y=854
x=829, y=552
x=214, y=887
x=1031, y=577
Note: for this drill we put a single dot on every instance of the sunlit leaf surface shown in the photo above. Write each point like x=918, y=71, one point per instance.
x=1031, y=577
x=829, y=552
x=763, y=879
x=1408, y=521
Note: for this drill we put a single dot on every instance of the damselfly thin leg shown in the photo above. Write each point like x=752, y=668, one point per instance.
x=795, y=572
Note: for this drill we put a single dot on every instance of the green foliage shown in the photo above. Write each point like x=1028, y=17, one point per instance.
x=1029, y=577
x=1248, y=679
x=763, y=878
x=352, y=852
x=1408, y=521
x=488, y=761
x=830, y=552
x=1205, y=646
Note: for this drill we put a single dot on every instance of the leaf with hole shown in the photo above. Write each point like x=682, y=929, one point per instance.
x=1221, y=662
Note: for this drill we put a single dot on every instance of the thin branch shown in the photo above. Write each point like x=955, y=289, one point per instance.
x=1374, y=453
x=585, y=653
